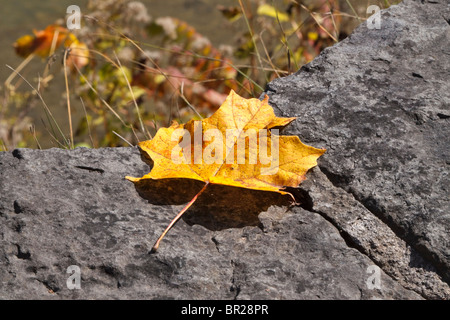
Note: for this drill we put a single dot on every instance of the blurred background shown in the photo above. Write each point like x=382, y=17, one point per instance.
x=135, y=66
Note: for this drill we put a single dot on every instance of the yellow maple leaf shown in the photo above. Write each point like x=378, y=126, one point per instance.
x=237, y=146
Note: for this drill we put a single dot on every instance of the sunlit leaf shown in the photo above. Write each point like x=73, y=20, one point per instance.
x=270, y=11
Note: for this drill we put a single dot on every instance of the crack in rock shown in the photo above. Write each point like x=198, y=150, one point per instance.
x=372, y=237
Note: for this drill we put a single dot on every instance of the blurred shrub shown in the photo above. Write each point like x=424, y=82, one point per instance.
x=133, y=74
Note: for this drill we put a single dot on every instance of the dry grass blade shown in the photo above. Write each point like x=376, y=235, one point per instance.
x=69, y=111
x=250, y=30
x=319, y=24
x=101, y=99
x=17, y=70
x=87, y=122
x=46, y=108
x=4, y=148
x=353, y=9
x=132, y=96
x=187, y=102
x=122, y=138
x=33, y=133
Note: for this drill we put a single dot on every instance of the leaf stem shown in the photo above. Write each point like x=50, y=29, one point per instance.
x=178, y=216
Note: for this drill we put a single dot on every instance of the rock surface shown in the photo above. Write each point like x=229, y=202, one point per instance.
x=61, y=208
x=380, y=103
x=378, y=201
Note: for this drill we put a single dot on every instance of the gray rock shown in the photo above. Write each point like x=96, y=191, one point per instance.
x=379, y=102
x=377, y=204
x=61, y=208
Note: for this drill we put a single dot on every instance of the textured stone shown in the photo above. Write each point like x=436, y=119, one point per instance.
x=60, y=208
x=380, y=103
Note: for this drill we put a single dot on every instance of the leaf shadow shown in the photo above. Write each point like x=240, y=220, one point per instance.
x=218, y=207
